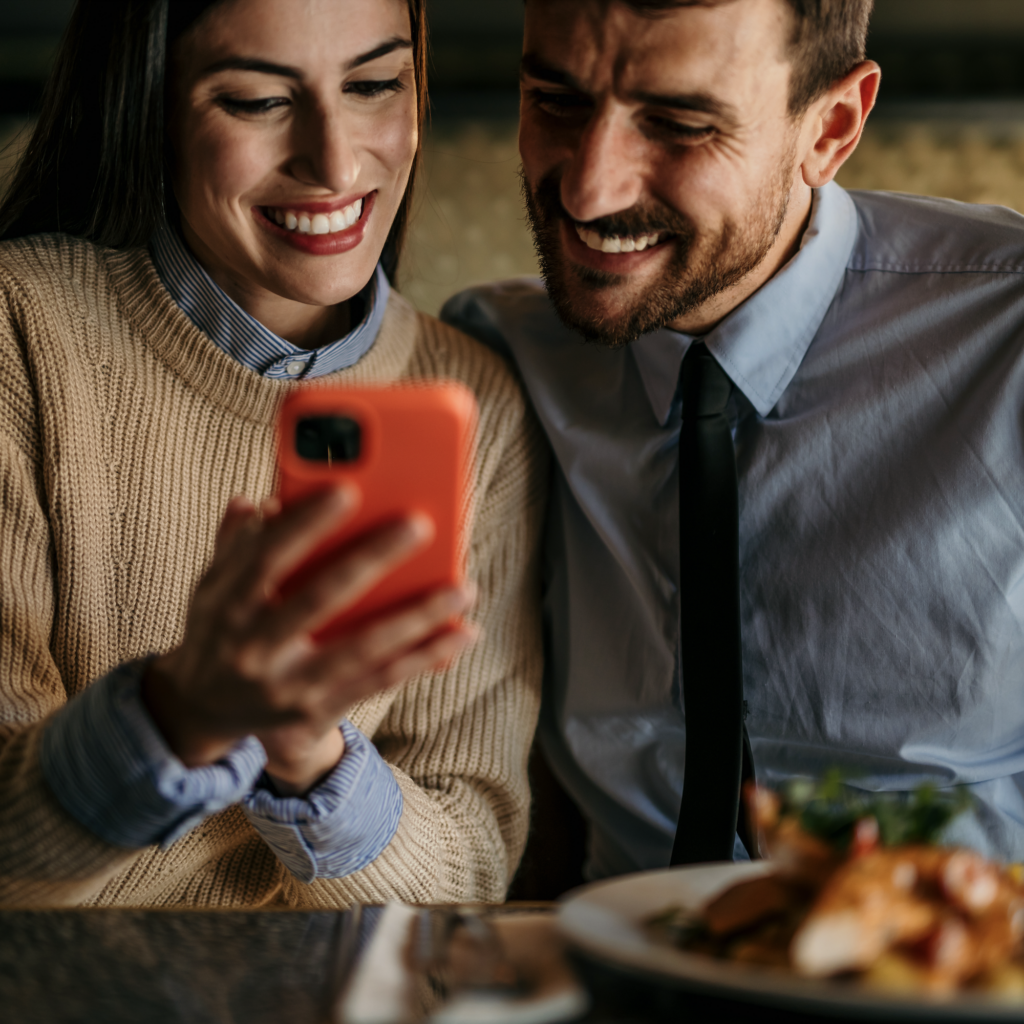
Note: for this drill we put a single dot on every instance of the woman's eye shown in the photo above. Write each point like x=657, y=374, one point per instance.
x=372, y=88
x=560, y=104
x=236, y=106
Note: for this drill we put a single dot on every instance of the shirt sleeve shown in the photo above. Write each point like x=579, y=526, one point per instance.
x=110, y=768
x=341, y=825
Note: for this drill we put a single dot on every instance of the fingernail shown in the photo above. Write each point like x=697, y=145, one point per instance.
x=469, y=633
x=421, y=526
x=341, y=498
x=456, y=599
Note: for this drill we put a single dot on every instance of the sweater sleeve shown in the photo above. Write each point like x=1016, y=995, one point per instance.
x=457, y=741
x=111, y=769
x=46, y=856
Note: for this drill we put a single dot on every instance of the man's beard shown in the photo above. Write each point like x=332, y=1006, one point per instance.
x=701, y=266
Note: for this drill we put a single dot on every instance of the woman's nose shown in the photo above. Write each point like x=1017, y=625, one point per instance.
x=603, y=175
x=326, y=155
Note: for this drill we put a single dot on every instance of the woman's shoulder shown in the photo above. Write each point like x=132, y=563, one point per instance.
x=511, y=445
x=42, y=257
x=443, y=351
x=55, y=270
x=54, y=282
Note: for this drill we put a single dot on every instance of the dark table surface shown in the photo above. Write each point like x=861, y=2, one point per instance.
x=248, y=967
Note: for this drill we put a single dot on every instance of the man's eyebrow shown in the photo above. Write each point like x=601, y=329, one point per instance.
x=535, y=67
x=266, y=67
x=700, y=102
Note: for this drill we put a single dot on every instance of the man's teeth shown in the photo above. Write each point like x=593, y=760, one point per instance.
x=615, y=243
x=318, y=223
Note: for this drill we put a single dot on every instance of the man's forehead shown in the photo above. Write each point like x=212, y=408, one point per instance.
x=698, y=46
x=767, y=21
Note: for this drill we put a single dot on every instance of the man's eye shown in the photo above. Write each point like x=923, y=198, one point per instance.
x=371, y=88
x=234, y=105
x=561, y=104
x=682, y=132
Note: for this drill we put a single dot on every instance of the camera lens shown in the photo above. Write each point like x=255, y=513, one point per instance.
x=328, y=439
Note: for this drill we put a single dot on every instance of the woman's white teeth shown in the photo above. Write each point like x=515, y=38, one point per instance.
x=616, y=243
x=319, y=223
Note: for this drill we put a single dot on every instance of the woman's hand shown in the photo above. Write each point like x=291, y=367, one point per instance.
x=248, y=663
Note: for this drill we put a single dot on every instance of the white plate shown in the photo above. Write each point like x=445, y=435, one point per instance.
x=605, y=922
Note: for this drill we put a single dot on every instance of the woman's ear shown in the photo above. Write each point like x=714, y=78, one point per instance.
x=836, y=122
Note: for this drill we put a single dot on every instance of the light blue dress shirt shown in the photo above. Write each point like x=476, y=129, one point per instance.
x=103, y=757
x=878, y=418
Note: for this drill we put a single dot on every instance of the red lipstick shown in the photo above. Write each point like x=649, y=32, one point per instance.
x=319, y=245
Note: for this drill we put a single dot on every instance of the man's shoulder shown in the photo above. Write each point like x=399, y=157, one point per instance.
x=508, y=316
x=908, y=234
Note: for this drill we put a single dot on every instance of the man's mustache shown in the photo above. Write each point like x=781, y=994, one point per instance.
x=637, y=220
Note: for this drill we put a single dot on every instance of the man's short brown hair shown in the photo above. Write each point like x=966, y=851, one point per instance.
x=828, y=41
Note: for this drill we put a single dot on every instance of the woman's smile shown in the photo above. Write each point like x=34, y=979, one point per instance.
x=320, y=228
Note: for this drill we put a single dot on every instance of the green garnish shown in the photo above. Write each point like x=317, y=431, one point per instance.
x=830, y=809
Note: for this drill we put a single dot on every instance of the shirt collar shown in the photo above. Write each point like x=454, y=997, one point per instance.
x=762, y=342
x=244, y=338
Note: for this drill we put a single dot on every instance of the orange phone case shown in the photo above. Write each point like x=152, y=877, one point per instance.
x=416, y=455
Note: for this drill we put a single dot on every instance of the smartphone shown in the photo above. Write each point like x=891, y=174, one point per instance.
x=407, y=448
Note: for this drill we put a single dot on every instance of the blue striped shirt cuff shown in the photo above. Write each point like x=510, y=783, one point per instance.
x=110, y=768
x=339, y=827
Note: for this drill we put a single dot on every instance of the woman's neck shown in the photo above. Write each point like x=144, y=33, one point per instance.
x=304, y=325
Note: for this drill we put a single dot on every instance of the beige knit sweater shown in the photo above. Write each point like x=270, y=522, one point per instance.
x=123, y=433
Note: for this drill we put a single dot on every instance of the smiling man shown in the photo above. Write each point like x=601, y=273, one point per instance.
x=788, y=499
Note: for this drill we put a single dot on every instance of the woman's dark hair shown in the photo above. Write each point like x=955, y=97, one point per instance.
x=96, y=164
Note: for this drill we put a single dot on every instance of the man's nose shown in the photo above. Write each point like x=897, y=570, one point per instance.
x=604, y=175
x=326, y=154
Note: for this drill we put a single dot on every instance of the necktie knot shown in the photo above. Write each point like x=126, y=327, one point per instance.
x=705, y=385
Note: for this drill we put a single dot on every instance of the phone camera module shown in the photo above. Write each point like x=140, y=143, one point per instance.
x=328, y=439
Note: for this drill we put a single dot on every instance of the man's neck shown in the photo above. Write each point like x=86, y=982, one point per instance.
x=707, y=316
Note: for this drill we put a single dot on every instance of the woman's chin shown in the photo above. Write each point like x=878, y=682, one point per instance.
x=313, y=289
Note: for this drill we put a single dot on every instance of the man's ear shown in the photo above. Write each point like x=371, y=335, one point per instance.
x=836, y=120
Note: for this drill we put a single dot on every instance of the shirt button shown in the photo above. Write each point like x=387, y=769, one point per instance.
x=295, y=367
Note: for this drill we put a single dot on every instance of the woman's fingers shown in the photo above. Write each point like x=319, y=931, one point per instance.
x=428, y=657
x=383, y=641
x=387, y=640
x=289, y=538
x=239, y=511
x=345, y=580
x=252, y=553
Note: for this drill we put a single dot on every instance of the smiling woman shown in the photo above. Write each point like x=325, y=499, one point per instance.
x=209, y=213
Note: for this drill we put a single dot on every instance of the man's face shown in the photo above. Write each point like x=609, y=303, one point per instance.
x=658, y=156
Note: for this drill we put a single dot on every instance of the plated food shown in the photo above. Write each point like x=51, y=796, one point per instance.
x=857, y=888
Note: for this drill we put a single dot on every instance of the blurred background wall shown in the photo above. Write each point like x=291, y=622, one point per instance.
x=950, y=120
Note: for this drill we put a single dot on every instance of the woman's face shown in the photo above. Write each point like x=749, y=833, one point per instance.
x=293, y=125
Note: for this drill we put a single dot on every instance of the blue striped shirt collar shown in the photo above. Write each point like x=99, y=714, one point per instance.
x=244, y=338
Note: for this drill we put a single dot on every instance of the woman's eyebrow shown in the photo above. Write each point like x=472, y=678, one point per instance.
x=396, y=43
x=266, y=67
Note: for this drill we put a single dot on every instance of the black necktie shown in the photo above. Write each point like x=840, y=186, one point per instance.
x=717, y=753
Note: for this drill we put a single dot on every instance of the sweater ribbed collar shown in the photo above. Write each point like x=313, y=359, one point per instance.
x=203, y=367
